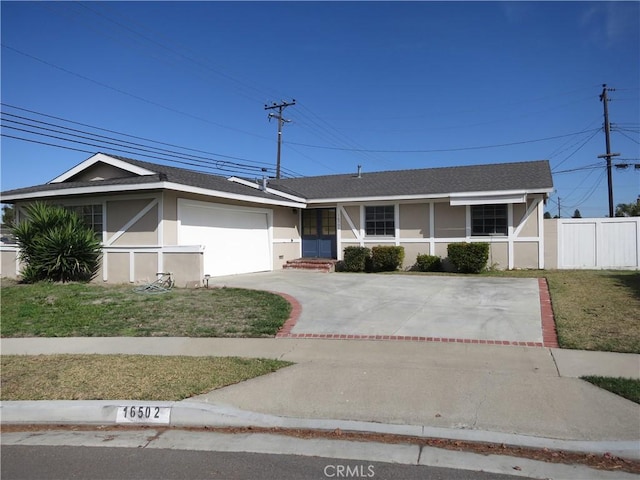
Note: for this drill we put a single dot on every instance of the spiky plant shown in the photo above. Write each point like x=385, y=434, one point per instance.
x=56, y=245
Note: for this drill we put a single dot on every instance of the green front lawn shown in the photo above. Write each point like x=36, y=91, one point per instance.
x=90, y=310
x=628, y=388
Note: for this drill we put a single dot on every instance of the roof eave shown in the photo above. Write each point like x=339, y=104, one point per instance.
x=435, y=196
x=102, y=189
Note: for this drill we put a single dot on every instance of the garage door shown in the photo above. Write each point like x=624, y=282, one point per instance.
x=236, y=239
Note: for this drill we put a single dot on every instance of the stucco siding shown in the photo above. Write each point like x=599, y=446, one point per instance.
x=414, y=220
x=170, y=218
x=8, y=263
x=186, y=268
x=145, y=267
x=550, y=243
x=450, y=222
x=142, y=232
x=498, y=256
x=411, y=251
x=118, y=267
x=346, y=233
x=530, y=227
x=101, y=171
x=526, y=255
x=283, y=252
x=285, y=223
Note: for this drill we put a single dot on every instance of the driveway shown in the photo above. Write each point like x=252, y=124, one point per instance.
x=472, y=308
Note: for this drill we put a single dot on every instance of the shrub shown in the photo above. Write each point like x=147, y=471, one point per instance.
x=428, y=263
x=387, y=258
x=469, y=257
x=356, y=259
x=56, y=245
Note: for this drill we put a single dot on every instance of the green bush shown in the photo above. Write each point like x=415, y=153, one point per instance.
x=56, y=245
x=428, y=263
x=356, y=259
x=387, y=258
x=469, y=257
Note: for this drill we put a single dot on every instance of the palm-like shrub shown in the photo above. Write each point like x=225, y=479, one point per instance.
x=56, y=245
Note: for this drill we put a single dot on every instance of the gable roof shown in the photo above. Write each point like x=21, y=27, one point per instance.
x=526, y=177
x=145, y=176
x=502, y=180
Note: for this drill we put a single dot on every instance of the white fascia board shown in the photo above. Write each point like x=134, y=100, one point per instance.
x=64, y=192
x=273, y=191
x=101, y=157
x=94, y=189
x=460, y=200
x=230, y=196
x=242, y=181
x=389, y=198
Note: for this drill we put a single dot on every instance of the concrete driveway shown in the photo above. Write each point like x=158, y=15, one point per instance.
x=471, y=308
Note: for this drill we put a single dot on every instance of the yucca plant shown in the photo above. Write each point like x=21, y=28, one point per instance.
x=56, y=245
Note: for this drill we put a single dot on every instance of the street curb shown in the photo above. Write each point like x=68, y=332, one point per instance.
x=193, y=414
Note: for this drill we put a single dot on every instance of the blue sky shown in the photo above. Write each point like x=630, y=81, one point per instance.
x=387, y=85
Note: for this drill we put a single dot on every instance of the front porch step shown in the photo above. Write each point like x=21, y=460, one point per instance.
x=316, y=264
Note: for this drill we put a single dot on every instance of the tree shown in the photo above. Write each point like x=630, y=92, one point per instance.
x=56, y=245
x=8, y=214
x=628, y=209
x=547, y=215
x=577, y=214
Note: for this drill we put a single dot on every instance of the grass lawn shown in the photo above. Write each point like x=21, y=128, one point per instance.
x=90, y=310
x=628, y=388
x=123, y=377
x=593, y=309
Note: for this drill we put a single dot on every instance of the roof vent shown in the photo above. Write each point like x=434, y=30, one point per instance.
x=359, y=171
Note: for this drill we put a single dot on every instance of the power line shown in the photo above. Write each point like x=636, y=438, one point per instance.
x=436, y=150
x=137, y=97
x=110, y=141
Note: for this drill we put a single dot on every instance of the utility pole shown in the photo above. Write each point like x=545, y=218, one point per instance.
x=558, y=207
x=280, y=107
x=607, y=137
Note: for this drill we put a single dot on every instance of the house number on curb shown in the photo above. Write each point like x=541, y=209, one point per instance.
x=143, y=414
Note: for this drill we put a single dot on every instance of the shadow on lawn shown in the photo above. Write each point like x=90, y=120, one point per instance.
x=629, y=281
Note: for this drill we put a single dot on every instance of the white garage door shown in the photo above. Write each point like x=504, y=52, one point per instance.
x=236, y=239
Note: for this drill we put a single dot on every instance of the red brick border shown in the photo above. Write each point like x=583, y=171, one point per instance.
x=549, y=333
x=549, y=337
x=296, y=310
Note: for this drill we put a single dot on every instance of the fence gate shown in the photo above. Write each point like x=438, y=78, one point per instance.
x=599, y=243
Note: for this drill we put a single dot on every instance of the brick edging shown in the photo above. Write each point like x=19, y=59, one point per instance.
x=296, y=310
x=549, y=336
x=549, y=333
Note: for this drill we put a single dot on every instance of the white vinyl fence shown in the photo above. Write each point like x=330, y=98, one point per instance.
x=599, y=243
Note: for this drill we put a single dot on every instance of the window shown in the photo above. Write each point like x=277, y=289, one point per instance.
x=380, y=221
x=92, y=216
x=489, y=220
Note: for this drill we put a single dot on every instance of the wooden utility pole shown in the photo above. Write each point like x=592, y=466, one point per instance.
x=278, y=116
x=607, y=137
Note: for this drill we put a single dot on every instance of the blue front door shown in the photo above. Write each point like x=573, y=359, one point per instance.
x=319, y=233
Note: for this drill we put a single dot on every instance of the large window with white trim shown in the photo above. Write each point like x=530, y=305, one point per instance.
x=380, y=220
x=489, y=219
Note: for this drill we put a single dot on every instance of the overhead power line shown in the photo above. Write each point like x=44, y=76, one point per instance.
x=62, y=133
x=436, y=150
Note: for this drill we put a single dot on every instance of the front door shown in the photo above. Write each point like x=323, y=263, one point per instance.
x=319, y=233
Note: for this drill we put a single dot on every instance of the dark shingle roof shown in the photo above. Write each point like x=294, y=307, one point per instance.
x=527, y=176
x=161, y=173
x=534, y=175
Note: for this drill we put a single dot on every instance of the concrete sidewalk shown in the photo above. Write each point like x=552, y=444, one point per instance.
x=487, y=393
